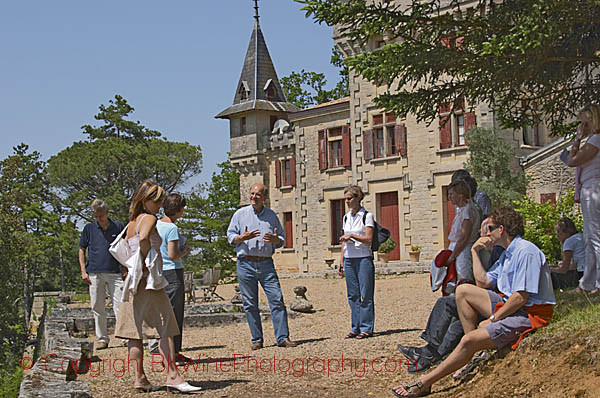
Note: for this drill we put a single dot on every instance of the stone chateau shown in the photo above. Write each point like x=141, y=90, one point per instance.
x=306, y=158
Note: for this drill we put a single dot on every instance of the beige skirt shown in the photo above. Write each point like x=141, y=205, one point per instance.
x=147, y=315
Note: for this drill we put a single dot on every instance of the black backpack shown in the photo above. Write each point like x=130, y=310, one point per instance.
x=380, y=234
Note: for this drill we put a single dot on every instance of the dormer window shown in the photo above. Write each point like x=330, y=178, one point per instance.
x=244, y=90
x=270, y=90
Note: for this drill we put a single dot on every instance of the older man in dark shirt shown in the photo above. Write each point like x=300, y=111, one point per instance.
x=100, y=270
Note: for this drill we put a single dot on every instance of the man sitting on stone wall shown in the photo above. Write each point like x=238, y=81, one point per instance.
x=524, y=302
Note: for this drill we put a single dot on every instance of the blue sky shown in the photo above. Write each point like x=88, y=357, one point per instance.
x=177, y=63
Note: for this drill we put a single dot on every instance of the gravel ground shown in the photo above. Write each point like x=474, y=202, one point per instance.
x=226, y=367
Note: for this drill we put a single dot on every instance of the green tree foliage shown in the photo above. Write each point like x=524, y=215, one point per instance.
x=490, y=162
x=116, y=158
x=525, y=57
x=207, y=217
x=35, y=240
x=304, y=88
x=540, y=219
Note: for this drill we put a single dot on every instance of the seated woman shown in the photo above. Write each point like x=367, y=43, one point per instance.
x=570, y=269
x=146, y=311
x=465, y=229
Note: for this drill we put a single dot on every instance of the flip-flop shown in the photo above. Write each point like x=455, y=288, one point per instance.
x=351, y=335
x=364, y=335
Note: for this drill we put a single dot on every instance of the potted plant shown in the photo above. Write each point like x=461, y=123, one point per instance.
x=385, y=249
x=414, y=253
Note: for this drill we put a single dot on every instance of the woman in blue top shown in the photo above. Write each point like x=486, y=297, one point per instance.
x=173, y=247
x=357, y=261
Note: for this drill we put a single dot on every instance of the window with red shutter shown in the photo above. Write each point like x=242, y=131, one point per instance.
x=368, y=145
x=400, y=131
x=445, y=133
x=287, y=172
x=548, y=197
x=346, y=154
x=322, y=150
x=292, y=171
x=277, y=173
x=288, y=226
x=337, y=217
x=470, y=120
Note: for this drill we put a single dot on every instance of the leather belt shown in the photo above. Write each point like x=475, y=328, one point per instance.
x=256, y=258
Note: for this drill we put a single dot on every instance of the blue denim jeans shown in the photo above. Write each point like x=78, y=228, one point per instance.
x=360, y=285
x=249, y=273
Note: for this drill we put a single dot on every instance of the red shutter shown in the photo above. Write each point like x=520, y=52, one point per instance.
x=289, y=230
x=378, y=119
x=322, y=150
x=390, y=118
x=548, y=197
x=445, y=107
x=445, y=138
x=368, y=145
x=469, y=120
x=346, y=146
x=277, y=173
x=400, y=131
x=293, y=172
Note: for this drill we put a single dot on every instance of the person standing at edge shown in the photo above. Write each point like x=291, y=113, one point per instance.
x=256, y=232
x=101, y=271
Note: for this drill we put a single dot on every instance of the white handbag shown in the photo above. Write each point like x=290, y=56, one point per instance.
x=119, y=248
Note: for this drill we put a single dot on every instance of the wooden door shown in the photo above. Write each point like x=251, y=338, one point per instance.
x=449, y=212
x=388, y=218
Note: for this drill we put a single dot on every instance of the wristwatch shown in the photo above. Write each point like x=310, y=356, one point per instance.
x=492, y=318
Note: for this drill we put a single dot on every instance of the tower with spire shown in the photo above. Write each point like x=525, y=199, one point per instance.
x=258, y=103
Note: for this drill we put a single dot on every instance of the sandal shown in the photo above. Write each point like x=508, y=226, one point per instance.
x=364, y=335
x=351, y=335
x=421, y=390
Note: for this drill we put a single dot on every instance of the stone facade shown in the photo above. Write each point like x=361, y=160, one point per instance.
x=404, y=167
x=547, y=176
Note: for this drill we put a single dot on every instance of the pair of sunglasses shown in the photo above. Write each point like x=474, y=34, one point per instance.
x=492, y=227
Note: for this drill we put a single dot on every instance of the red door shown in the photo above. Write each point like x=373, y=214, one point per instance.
x=450, y=212
x=388, y=218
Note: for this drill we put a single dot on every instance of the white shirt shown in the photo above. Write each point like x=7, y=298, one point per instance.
x=354, y=225
x=575, y=244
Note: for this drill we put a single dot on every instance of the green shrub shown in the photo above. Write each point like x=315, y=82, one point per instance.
x=387, y=246
x=10, y=383
x=540, y=219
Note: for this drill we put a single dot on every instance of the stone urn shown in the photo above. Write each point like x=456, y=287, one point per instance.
x=383, y=257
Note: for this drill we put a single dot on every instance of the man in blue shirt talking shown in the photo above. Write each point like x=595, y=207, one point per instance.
x=256, y=232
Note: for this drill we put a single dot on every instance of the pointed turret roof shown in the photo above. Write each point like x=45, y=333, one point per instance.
x=258, y=87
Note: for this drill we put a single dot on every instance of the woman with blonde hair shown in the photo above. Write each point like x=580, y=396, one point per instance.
x=146, y=311
x=357, y=261
x=587, y=161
